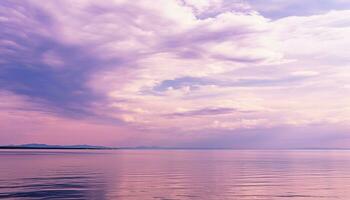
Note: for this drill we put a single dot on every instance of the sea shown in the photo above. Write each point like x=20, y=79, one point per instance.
x=175, y=174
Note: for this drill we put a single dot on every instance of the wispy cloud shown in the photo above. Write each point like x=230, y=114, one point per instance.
x=204, y=112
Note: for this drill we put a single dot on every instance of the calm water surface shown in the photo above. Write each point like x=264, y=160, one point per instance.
x=174, y=174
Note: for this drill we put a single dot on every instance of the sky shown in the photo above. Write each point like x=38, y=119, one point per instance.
x=176, y=73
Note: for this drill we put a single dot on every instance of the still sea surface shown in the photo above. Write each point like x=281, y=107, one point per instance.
x=174, y=174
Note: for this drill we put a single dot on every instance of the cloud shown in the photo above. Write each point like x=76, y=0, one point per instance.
x=284, y=8
x=37, y=65
x=204, y=112
x=319, y=38
x=128, y=64
x=195, y=83
x=55, y=56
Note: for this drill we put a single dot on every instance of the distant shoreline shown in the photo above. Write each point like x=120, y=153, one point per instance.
x=70, y=148
x=160, y=148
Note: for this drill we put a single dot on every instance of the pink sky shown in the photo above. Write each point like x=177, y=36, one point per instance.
x=190, y=73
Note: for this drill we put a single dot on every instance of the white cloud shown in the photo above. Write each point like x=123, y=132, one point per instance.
x=141, y=45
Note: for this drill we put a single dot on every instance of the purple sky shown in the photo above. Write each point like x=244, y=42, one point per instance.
x=181, y=73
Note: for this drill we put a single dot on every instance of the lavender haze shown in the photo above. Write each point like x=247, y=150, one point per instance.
x=184, y=73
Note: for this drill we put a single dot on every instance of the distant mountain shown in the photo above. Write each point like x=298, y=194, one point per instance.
x=46, y=146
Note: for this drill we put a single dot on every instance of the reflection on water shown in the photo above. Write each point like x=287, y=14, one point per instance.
x=174, y=174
